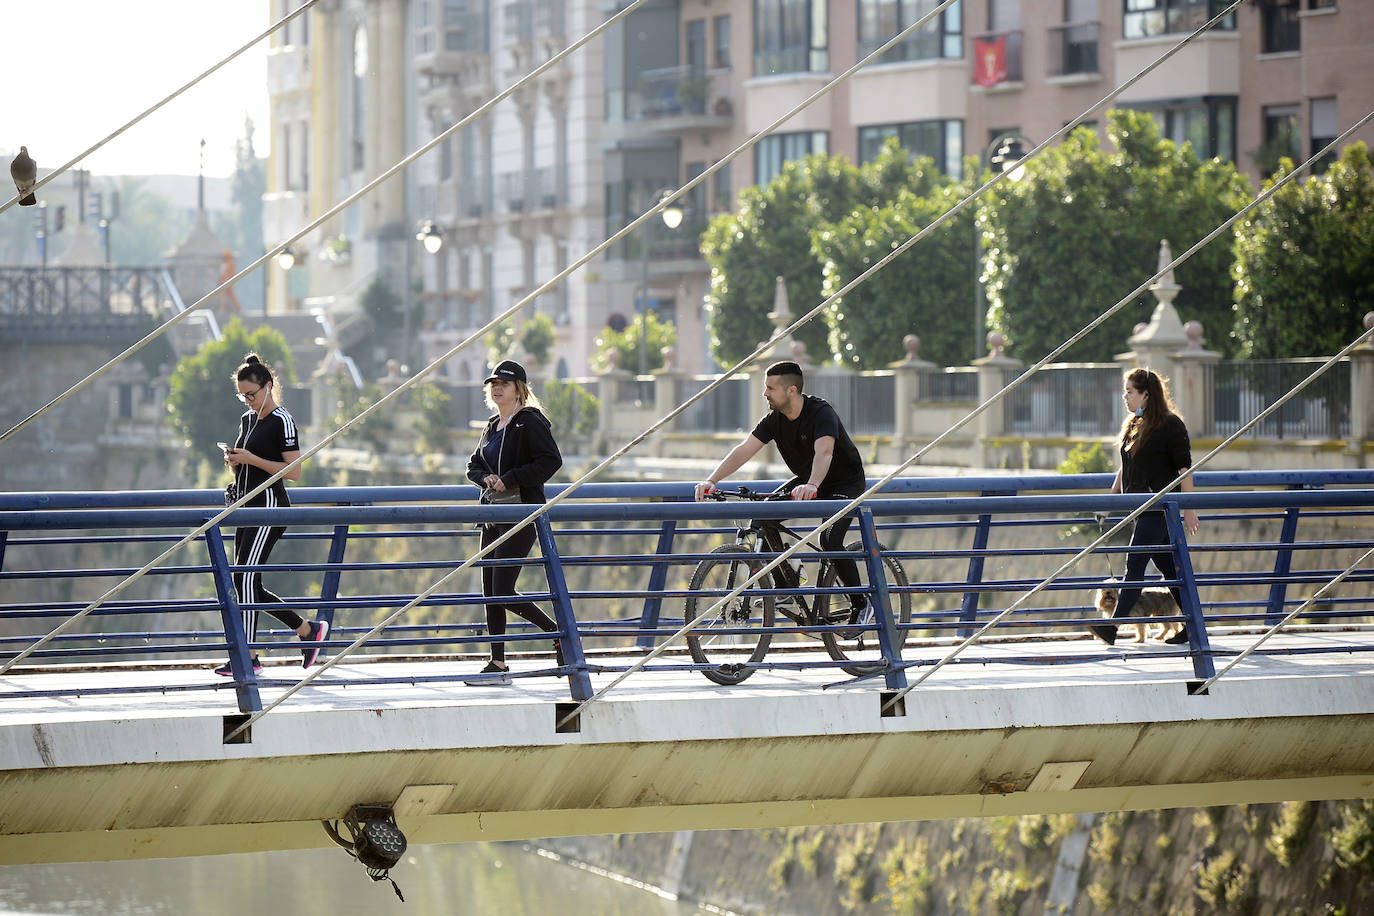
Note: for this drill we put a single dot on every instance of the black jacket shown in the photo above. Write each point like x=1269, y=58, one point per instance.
x=529, y=455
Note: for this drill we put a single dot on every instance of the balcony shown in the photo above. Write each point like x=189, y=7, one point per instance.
x=542, y=191
x=288, y=69
x=1073, y=49
x=996, y=58
x=510, y=188
x=675, y=99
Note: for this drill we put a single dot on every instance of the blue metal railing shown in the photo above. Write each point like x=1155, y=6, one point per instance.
x=616, y=560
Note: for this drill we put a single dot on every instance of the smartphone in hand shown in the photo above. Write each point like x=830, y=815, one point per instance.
x=223, y=446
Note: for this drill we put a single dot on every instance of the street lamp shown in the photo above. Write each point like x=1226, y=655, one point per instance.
x=286, y=258
x=672, y=215
x=430, y=236
x=1003, y=156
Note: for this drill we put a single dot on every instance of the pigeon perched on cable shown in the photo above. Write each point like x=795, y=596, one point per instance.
x=24, y=171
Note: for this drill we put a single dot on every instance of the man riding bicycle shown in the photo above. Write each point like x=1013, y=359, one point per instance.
x=816, y=449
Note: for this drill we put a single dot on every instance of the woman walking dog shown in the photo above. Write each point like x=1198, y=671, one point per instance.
x=1154, y=450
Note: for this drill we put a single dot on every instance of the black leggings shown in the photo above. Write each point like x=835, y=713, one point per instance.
x=1150, y=531
x=251, y=548
x=499, y=581
x=832, y=538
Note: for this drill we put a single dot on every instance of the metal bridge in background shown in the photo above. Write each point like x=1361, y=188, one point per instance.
x=1036, y=716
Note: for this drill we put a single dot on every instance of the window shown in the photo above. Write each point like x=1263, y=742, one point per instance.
x=1145, y=18
x=791, y=36
x=1282, y=136
x=359, y=103
x=1279, y=30
x=942, y=141
x=465, y=25
x=772, y=152
x=1321, y=4
x=721, y=26
x=1208, y=123
x=1324, y=128
x=722, y=196
x=942, y=37
x=696, y=44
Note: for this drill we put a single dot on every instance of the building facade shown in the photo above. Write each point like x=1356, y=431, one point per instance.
x=545, y=176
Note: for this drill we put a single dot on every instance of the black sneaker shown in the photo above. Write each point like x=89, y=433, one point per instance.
x=860, y=615
x=558, y=653
x=311, y=654
x=492, y=675
x=1105, y=632
x=1179, y=638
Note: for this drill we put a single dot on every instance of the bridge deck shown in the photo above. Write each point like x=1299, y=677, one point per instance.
x=147, y=775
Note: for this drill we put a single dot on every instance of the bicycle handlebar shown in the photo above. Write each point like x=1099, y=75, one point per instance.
x=746, y=493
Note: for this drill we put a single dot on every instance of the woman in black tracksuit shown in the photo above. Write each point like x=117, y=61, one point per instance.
x=266, y=443
x=1154, y=450
x=516, y=455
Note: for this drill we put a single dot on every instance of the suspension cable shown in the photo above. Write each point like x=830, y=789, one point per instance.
x=1316, y=596
x=156, y=105
x=1132, y=516
x=813, y=536
x=665, y=200
x=476, y=335
x=327, y=215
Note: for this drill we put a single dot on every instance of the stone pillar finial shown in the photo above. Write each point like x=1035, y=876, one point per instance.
x=911, y=343
x=996, y=342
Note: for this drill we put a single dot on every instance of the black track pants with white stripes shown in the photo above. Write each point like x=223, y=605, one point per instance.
x=252, y=546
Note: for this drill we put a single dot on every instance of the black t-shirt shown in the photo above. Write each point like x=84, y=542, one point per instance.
x=267, y=437
x=796, y=441
x=1155, y=461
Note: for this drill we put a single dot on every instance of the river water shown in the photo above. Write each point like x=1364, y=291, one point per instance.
x=504, y=878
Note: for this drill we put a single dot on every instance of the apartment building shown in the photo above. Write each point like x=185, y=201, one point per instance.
x=674, y=88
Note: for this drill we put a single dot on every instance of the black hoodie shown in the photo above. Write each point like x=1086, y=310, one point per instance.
x=529, y=455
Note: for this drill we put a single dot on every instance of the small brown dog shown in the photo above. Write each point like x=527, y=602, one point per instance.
x=1153, y=602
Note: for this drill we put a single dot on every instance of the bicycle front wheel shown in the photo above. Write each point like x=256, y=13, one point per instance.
x=857, y=648
x=736, y=634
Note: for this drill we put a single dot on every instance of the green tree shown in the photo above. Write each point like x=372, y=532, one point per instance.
x=660, y=334
x=537, y=337
x=349, y=401
x=570, y=407
x=435, y=425
x=382, y=306
x=201, y=401
x=770, y=236
x=1303, y=273
x=927, y=290
x=1082, y=229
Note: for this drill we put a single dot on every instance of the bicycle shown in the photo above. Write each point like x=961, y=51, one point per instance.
x=743, y=626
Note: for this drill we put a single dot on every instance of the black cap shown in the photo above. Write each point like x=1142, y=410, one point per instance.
x=507, y=370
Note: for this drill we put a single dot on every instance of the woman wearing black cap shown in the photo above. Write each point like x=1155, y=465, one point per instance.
x=514, y=458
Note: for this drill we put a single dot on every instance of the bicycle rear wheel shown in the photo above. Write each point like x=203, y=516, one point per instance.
x=858, y=650
x=747, y=616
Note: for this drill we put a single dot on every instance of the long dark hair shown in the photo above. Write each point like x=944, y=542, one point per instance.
x=1159, y=406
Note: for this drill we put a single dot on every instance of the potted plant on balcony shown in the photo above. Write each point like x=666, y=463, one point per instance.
x=337, y=249
x=692, y=91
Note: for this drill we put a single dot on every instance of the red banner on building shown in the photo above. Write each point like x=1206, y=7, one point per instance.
x=990, y=60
